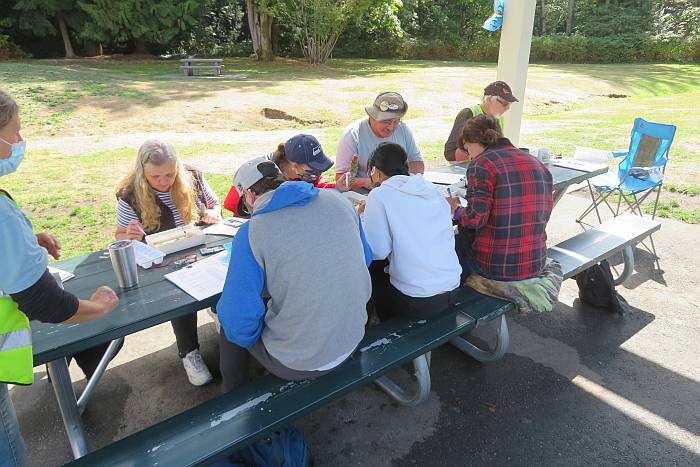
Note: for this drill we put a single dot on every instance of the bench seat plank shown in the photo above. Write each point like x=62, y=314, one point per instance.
x=592, y=246
x=231, y=421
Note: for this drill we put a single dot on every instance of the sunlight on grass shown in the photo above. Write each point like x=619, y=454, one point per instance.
x=72, y=195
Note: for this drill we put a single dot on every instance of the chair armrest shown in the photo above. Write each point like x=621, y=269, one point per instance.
x=618, y=153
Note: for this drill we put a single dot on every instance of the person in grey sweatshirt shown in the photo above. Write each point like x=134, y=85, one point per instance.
x=409, y=223
x=316, y=312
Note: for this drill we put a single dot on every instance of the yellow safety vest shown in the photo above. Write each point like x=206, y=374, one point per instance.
x=16, y=361
x=477, y=110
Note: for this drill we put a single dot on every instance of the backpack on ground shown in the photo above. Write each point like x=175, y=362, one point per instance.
x=282, y=448
x=596, y=288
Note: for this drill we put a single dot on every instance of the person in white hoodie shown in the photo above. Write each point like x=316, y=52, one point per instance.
x=408, y=223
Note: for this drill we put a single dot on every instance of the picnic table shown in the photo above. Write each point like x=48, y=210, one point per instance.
x=189, y=65
x=565, y=172
x=155, y=301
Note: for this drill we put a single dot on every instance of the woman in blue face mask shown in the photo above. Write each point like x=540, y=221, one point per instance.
x=27, y=290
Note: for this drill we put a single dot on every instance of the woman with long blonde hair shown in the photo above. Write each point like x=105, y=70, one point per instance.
x=160, y=193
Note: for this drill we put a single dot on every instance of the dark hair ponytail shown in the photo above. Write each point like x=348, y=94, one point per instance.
x=390, y=158
x=279, y=156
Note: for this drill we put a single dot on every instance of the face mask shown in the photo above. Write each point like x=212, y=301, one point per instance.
x=9, y=165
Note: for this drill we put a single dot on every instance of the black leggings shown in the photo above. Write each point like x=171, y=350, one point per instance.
x=390, y=302
x=185, y=328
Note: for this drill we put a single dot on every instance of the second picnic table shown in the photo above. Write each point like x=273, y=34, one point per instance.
x=191, y=64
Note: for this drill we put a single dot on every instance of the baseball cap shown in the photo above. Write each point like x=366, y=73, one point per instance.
x=305, y=149
x=500, y=89
x=386, y=106
x=253, y=171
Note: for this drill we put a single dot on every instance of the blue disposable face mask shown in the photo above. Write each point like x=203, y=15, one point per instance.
x=9, y=165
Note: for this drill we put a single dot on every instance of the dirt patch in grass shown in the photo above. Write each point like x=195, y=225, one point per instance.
x=275, y=114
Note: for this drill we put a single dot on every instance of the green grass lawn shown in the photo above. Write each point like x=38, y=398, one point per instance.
x=68, y=189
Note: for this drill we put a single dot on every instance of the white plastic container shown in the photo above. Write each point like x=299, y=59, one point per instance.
x=177, y=239
x=147, y=256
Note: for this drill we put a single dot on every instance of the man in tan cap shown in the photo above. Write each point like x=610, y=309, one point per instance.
x=362, y=136
x=496, y=101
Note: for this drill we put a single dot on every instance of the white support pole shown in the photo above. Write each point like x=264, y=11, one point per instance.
x=514, y=57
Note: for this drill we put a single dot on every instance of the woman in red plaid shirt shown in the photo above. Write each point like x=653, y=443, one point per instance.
x=509, y=194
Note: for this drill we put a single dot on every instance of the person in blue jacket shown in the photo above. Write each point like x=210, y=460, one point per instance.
x=298, y=316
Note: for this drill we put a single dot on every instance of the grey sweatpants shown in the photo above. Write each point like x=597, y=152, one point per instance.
x=234, y=361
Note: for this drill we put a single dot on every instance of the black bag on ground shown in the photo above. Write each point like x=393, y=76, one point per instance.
x=596, y=288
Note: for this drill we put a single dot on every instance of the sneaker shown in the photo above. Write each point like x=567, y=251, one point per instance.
x=196, y=369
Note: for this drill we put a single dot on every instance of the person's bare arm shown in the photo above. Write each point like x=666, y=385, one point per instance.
x=416, y=167
x=102, y=301
x=133, y=232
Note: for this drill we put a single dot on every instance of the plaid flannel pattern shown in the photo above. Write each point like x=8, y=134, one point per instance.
x=510, y=201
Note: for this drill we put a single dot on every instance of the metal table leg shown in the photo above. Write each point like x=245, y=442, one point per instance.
x=482, y=355
x=62, y=386
x=628, y=255
x=421, y=393
x=99, y=371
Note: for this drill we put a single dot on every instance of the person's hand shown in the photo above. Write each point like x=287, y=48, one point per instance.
x=52, y=245
x=345, y=182
x=454, y=203
x=461, y=155
x=105, y=299
x=362, y=182
x=361, y=206
x=134, y=231
x=211, y=216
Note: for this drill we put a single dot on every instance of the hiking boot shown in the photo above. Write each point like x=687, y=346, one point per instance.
x=196, y=369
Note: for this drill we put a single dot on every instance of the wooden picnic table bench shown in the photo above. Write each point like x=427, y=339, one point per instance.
x=189, y=65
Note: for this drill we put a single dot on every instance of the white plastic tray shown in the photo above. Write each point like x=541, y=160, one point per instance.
x=177, y=239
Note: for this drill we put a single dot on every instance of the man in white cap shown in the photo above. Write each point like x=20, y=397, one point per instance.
x=298, y=316
x=362, y=136
x=495, y=102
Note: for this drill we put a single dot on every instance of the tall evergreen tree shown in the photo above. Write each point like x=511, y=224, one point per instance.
x=49, y=18
x=142, y=21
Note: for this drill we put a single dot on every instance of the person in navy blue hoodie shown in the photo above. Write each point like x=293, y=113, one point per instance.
x=298, y=317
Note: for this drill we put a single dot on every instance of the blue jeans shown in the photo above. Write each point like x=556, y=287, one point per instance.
x=11, y=444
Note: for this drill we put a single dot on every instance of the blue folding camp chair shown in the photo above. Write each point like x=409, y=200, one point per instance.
x=639, y=174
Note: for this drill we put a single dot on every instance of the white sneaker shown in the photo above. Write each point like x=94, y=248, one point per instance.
x=196, y=369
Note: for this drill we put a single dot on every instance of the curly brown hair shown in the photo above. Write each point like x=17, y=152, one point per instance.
x=483, y=129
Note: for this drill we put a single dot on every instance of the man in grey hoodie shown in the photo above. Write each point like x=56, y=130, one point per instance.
x=316, y=311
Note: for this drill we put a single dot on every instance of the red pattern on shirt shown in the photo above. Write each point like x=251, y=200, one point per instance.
x=509, y=195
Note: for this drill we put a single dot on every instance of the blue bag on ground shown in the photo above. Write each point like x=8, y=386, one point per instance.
x=283, y=448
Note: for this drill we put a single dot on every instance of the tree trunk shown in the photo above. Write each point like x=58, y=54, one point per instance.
x=66, y=37
x=569, y=16
x=543, y=19
x=260, y=25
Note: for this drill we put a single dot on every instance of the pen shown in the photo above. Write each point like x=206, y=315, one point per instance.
x=449, y=193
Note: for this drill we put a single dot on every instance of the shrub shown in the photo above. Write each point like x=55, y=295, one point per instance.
x=9, y=50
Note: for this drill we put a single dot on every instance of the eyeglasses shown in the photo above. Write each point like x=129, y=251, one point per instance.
x=503, y=102
x=391, y=121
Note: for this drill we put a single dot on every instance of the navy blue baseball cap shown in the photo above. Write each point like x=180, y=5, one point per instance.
x=305, y=149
